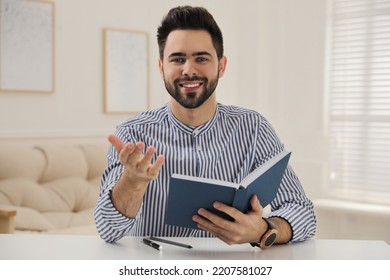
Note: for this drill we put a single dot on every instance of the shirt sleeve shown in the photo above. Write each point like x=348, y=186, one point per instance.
x=290, y=203
x=110, y=223
x=294, y=206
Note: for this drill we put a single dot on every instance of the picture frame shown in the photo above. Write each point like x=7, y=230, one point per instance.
x=27, y=49
x=125, y=71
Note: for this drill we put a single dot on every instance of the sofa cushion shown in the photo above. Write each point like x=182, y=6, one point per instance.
x=63, y=161
x=64, y=220
x=71, y=194
x=24, y=193
x=96, y=159
x=30, y=219
x=21, y=162
x=54, y=188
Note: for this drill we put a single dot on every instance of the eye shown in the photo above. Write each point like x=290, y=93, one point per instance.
x=178, y=60
x=201, y=59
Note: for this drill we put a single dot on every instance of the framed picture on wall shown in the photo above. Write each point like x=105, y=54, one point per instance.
x=26, y=46
x=125, y=71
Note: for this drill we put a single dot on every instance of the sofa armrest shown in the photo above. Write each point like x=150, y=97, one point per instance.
x=7, y=220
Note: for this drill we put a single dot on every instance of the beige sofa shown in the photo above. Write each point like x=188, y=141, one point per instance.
x=50, y=187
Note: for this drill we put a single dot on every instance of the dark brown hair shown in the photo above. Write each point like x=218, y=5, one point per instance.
x=187, y=18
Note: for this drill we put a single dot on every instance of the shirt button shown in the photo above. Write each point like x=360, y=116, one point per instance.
x=195, y=132
x=199, y=148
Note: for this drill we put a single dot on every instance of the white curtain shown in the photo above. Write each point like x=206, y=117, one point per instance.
x=359, y=96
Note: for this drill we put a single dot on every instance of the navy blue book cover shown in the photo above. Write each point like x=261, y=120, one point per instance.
x=187, y=193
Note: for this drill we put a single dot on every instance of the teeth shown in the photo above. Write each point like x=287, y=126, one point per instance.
x=190, y=85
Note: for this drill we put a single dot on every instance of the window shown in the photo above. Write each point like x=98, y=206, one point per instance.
x=359, y=99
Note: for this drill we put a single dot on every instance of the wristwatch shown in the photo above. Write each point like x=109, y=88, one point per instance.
x=269, y=236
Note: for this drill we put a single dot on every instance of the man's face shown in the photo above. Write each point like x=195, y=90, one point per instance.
x=190, y=67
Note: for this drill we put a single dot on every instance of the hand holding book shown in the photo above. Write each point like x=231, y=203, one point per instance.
x=187, y=193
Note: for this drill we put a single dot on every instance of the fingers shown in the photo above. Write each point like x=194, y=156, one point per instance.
x=132, y=155
x=144, y=165
x=255, y=204
x=116, y=142
x=221, y=228
x=213, y=223
x=231, y=211
x=244, y=228
x=154, y=169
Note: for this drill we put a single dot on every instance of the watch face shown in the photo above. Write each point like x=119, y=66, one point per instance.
x=270, y=239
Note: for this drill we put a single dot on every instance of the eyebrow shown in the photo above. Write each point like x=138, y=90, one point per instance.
x=176, y=54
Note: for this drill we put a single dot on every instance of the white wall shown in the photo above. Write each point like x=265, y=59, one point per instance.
x=276, y=62
x=75, y=108
x=294, y=78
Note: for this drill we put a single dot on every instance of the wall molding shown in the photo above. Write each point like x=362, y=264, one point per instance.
x=98, y=133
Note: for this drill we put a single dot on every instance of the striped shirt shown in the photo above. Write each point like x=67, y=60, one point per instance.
x=228, y=147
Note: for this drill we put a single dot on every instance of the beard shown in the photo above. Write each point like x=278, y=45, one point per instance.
x=191, y=100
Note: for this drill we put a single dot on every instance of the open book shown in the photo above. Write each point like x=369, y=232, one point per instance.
x=188, y=193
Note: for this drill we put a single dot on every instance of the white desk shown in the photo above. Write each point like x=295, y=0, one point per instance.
x=72, y=247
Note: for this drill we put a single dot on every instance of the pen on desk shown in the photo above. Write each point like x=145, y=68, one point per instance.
x=171, y=242
x=152, y=244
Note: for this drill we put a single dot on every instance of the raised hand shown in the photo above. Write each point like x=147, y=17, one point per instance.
x=138, y=166
x=138, y=171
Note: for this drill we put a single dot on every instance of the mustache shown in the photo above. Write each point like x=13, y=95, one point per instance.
x=190, y=79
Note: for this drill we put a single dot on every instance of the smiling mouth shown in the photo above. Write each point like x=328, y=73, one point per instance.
x=190, y=85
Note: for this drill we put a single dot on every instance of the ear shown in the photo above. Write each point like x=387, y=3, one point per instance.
x=222, y=66
x=160, y=68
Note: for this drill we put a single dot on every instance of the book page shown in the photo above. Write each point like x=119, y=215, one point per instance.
x=263, y=168
x=206, y=180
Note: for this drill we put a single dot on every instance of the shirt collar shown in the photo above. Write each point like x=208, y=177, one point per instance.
x=189, y=129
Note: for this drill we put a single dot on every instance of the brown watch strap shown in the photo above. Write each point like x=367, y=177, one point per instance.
x=268, y=237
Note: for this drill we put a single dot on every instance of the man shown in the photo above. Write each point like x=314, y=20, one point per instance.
x=195, y=135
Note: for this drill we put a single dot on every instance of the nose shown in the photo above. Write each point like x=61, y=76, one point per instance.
x=189, y=68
